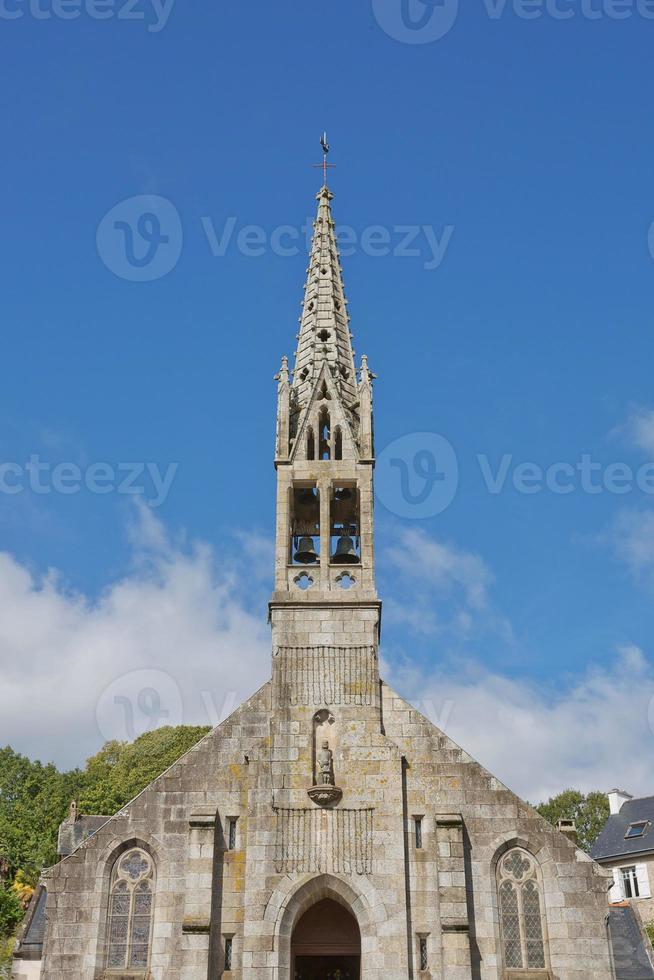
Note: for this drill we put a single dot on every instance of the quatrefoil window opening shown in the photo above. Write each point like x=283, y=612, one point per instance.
x=303, y=581
x=517, y=866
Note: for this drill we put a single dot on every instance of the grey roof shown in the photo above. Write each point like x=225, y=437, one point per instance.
x=30, y=941
x=628, y=943
x=611, y=842
x=73, y=833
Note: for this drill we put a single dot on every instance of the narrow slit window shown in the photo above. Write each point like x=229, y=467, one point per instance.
x=418, y=825
x=231, y=833
x=229, y=953
x=324, y=435
x=338, y=444
x=424, y=953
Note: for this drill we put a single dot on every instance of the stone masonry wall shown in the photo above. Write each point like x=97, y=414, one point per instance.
x=443, y=891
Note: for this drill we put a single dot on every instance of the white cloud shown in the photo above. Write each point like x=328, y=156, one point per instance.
x=594, y=733
x=632, y=539
x=439, y=588
x=185, y=633
x=638, y=430
x=180, y=638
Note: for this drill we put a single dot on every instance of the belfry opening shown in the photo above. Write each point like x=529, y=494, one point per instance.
x=326, y=944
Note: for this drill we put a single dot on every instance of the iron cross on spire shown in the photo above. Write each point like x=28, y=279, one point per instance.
x=325, y=166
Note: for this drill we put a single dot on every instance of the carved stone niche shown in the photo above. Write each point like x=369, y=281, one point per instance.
x=324, y=791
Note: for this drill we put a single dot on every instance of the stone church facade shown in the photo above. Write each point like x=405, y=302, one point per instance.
x=326, y=829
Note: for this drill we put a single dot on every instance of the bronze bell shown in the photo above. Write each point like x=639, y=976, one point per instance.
x=345, y=553
x=306, y=554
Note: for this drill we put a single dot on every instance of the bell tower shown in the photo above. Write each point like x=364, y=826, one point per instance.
x=324, y=452
x=324, y=611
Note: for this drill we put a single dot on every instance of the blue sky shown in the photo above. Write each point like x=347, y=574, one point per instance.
x=524, y=146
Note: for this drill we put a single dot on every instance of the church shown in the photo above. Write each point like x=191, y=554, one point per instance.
x=326, y=830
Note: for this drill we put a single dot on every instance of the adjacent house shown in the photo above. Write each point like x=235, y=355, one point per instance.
x=626, y=847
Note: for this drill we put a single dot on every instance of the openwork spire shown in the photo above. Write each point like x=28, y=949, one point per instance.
x=324, y=331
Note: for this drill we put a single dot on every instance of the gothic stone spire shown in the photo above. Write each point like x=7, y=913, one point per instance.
x=324, y=325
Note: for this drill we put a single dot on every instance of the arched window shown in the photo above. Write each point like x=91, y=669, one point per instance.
x=130, y=912
x=520, y=897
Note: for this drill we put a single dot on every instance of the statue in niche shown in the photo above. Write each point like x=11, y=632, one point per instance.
x=326, y=765
x=324, y=791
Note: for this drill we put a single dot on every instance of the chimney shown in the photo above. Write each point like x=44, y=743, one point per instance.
x=569, y=829
x=72, y=816
x=616, y=799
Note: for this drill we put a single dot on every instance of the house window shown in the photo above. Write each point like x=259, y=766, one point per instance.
x=130, y=912
x=636, y=829
x=229, y=952
x=630, y=882
x=231, y=833
x=521, y=913
x=418, y=825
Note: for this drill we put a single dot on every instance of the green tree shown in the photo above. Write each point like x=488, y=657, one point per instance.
x=33, y=802
x=35, y=798
x=590, y=812
x=11, y=911
x=6, y=955
x=120, y=770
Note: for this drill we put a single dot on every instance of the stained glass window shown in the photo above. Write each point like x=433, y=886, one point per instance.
x=521, y=913
x=130, y=912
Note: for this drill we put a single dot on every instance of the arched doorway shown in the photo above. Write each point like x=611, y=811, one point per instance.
x=326, y=944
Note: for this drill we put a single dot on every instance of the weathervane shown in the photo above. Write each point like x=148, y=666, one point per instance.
x=325, y=166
